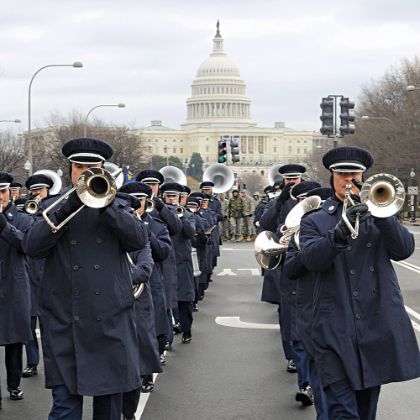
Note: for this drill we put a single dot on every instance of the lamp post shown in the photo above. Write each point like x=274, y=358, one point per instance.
x=413, y=191
x=28, y=167
x=76, y=64
x=368, y=118
x=17, y=121
x=166, y=149
x=99, y=106
x=411, y=88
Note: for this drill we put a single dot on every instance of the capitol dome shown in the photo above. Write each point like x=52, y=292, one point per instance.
x=218, y=93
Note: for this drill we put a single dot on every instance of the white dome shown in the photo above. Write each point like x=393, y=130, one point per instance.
x=218, y=65
x=218, y=92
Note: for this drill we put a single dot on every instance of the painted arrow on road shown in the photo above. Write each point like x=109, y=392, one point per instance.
x=235, y=322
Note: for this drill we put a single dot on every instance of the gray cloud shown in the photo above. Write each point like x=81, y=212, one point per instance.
x=146, y=54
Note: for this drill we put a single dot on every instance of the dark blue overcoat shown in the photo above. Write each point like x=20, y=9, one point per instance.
x=161, y=246
x=145, y=317
x=184, y=269
x=15, y=303
x=216, y=206
x=86, y=302
x=361, y=331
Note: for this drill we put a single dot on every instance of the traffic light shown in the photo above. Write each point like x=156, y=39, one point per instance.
x=222, y=151
x=327, y=116
x=346, y=117
x=234, y=149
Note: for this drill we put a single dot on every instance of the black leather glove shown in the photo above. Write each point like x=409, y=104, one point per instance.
x=3, y=222
x=158, y=204
x=70, y=206
x=284, y=196
x=341, y=230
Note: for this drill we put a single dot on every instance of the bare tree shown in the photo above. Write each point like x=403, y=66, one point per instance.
x=47, y=143
x=11, y=153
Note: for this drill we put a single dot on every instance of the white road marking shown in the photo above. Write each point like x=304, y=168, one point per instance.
x=144, y=397
x=235, y=322
x=236, y=249
x=226, y=272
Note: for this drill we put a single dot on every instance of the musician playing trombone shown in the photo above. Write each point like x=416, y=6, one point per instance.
x=361, y=333
x=86, y=301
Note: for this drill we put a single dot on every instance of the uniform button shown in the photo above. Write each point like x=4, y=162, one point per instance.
x=372, y=268
x=73, y=242
x=98, y=318
x=357, y=316
x=355, y=293
x=369, y=244
x=374, y=290
x=352, y=272
x=76, y=292
x=294, y=292
x=98, y=240
x=76, y=317
x=97, y=291
x=349, y=248
x=96, y=266
x=75, y=267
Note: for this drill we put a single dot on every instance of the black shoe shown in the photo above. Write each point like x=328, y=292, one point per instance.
x=147, y=384
x=168, y=346
x=305, y=396
x=177, y=328
x=162, y=360
x=29, y=371
x=195, y=308
x=15, y=393
x=201, y=297
x=186, y=338
x=291, y=367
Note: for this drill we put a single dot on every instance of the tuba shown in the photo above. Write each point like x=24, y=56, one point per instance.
x=96, y=188
x=221, y=176
x=268, y=252
x=173, y=174
x=273, y=174
x=384, y=195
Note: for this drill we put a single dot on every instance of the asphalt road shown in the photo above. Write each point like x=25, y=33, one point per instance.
x=231, y=373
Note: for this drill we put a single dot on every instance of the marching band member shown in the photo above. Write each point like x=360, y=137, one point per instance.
x=261, y=206
x=184, y=270
x=167, y=214
x=272, y=219
x=86, y=302
x=38, y=186
x=15, y=189
x=15, y=318
x=362, y=335
x=295, y=270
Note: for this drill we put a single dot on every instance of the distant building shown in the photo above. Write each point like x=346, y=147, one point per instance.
x=218, y=106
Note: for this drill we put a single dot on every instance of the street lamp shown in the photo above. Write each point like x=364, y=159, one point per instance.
x=76, y=64
x=95, y=107
x=411, y=88
x=368, y=118
x=413, y=191
x=166, y=149
x=17, y=121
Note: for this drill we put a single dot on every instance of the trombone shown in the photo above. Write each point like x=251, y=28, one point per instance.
x=384, y=195
x=96, y=188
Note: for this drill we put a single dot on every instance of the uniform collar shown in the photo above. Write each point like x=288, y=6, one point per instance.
x=331, y=205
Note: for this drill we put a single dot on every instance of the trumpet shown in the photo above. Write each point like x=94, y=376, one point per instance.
x=32, y=206
x=384, y=195
x=137, y=288
x=179, y=210
x=150, y=205
x=96, y=188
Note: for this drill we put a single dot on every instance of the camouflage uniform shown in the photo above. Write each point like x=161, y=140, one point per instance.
x=224, y=225
x=248, y=216
x=236, y=209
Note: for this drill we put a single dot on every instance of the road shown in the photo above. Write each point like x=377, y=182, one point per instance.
x=232, y=373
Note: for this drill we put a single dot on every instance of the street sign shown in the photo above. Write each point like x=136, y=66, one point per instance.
x=413, y=191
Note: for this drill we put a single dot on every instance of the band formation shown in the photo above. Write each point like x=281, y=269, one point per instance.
x=111, y=272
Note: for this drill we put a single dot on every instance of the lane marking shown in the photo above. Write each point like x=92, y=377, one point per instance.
x=235, y=322
x=236, y=249
x=144, y=397
x=253, y=271
x=226, y=272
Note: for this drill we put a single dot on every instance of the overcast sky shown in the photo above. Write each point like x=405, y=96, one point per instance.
x=146, y=54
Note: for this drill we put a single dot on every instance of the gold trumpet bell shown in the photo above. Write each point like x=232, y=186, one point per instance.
x=384, y=194
x=96, y=188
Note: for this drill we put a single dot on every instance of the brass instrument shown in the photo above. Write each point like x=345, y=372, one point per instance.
x=273, y=174
x=96, y=188
x=196, y=267
x=173, y=174
x=179, y=210
x=32, y=206
x=150, y=205
x=221, y=176
x=384, y=195
x=268, y=252
x=57, y=183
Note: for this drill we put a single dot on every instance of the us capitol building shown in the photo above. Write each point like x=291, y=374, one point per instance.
x=218, y=106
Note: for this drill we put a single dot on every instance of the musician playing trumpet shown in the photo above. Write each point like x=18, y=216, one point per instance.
x=361, y=333
x=86, y=302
